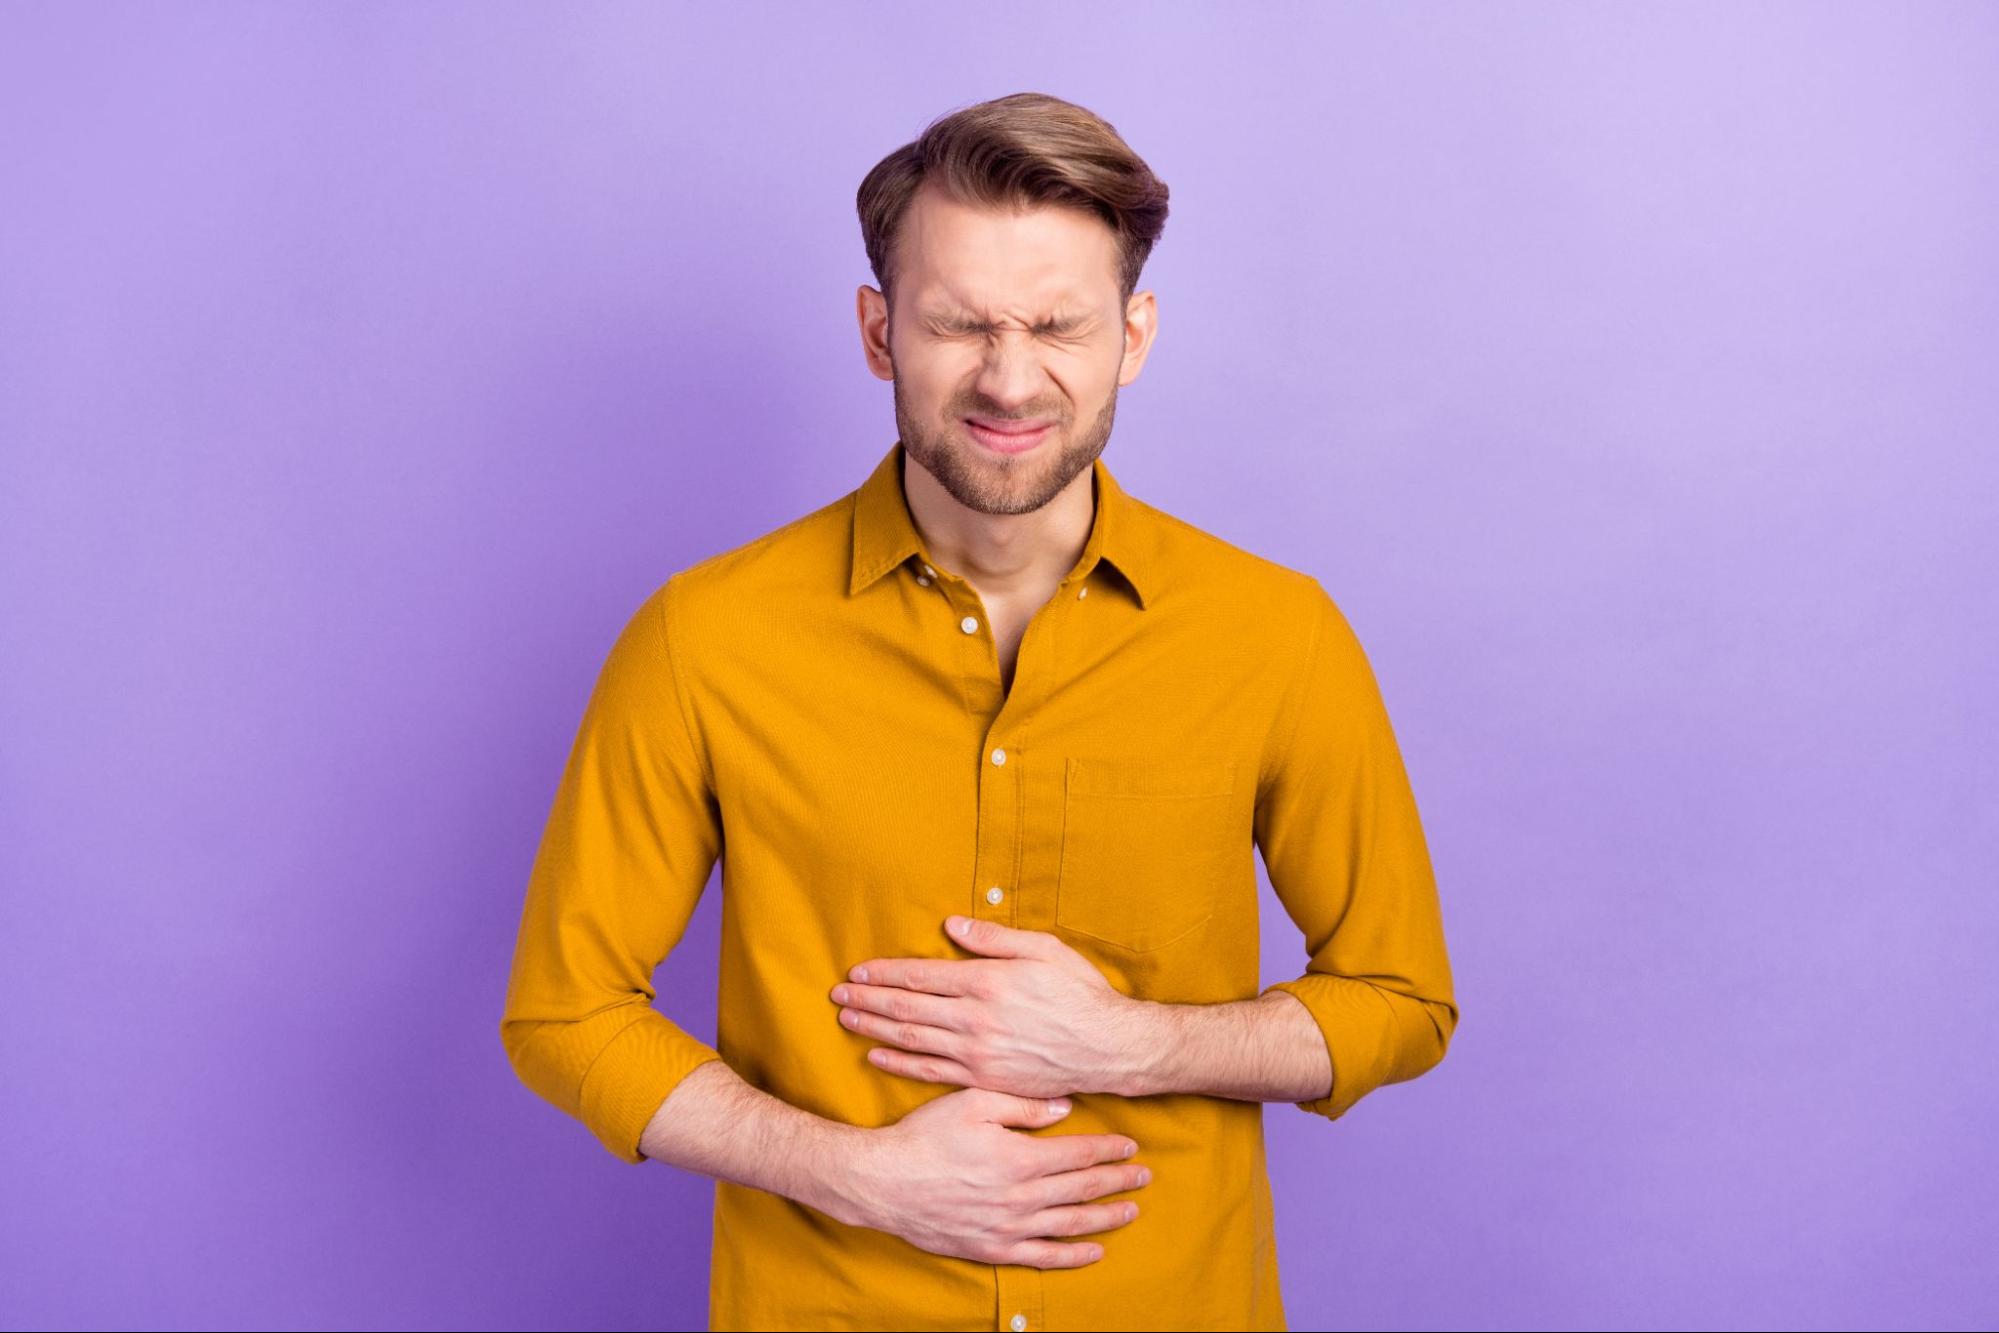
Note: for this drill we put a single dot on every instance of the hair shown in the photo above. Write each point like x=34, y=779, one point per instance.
x=1017, y=152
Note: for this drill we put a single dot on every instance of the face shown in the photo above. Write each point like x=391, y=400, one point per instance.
x=1009, y=319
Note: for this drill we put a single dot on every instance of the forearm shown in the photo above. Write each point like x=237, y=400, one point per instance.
x=1265, y=1049
x=718, y=1124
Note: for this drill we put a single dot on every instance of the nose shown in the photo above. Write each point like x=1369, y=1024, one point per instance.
x=1010, y=378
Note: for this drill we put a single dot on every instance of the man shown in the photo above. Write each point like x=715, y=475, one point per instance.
x=989, y=742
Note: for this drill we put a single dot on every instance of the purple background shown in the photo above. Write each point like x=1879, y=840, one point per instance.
x=1626, y=372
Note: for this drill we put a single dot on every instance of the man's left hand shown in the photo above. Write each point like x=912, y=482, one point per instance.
x=1031, y=1017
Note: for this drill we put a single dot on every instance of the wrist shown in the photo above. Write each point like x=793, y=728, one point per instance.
x=832, y=1169
x=1153, y=1030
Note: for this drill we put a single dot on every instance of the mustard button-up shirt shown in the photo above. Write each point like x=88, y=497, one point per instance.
x=826, y=703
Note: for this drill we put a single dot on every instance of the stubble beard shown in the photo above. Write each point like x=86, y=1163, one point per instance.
x=994, y=483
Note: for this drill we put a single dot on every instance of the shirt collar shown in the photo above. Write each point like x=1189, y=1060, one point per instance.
x=885, y=535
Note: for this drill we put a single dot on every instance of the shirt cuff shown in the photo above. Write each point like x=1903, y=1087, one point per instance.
x=634, y=1073
x=1359, y=1030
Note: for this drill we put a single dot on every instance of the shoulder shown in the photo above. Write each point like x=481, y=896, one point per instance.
x=1221, y=573
x=1284, y=619
x=804, y=558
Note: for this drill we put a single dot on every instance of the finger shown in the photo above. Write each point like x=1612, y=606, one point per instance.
x=1052, y=1254
x=938, y=976
x=1081, y=1219
x=910, y=1006
x=926, y=1068
x=1072, y=1152
x=1090, y=1184
x=1004, y=1108
x=997, y=941
x=919, y=1037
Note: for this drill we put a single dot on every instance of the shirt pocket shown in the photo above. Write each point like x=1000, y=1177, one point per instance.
x=1147, y=845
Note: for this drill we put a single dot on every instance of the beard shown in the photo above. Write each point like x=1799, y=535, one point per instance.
x=994, y=483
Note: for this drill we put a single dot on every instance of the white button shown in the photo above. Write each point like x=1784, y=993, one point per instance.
x=931, y=572
x=1018, y=1323
x=922, y=581
x=994, y=894
x=970, y=624
x=1083, y=591
x=999, y=756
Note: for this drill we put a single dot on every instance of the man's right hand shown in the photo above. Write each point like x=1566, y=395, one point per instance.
x=950, y=1177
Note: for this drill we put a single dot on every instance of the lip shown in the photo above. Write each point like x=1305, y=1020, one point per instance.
x=1007, y=441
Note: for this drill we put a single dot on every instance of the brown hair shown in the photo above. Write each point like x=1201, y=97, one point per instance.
x=1019, y=151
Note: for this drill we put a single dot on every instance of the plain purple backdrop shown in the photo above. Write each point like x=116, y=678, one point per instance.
x=1627, y=373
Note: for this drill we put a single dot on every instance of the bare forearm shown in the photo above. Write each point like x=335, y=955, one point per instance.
x=1266, y=1049
x=716, y=1123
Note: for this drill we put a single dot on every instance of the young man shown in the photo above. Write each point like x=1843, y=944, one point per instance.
x=990, y=743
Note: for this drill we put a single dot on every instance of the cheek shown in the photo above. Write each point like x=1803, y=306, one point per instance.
x=936, y=391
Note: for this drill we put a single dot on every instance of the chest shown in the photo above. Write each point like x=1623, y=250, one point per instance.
x=1086, y=766
x=1010, y=620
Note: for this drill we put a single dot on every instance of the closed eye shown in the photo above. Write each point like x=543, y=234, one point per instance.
x=1044, y=331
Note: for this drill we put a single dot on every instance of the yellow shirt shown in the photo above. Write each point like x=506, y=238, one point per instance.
x=827, y=701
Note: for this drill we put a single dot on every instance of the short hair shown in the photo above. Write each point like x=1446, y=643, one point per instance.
x=1018, y=151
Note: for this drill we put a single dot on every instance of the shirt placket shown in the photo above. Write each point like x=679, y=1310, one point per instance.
x=1017, y=814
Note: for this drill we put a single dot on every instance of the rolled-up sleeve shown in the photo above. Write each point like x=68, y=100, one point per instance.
x=627, y=850
x=1337, y=825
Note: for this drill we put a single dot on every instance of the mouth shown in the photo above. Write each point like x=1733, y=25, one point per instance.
x=1007, y=437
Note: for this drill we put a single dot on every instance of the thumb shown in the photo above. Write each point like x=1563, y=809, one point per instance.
x=990, y=937
x=1009, y=1109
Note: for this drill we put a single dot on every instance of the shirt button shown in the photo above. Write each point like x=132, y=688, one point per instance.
x=922, y=582
x=1083, y=591
x=994, y=894
x=1018, y=1322
x=931, y=572
x=970, y=624
x=999, y=756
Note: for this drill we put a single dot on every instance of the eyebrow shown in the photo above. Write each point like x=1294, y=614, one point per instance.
x=973, y=324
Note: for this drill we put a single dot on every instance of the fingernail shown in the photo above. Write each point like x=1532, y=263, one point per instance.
x=840, y=994
x=1145, y=1175
x=860, y=974
x=1058, y=1107
x=959, y=926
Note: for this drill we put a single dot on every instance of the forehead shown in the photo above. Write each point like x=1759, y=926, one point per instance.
x=955, y=256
